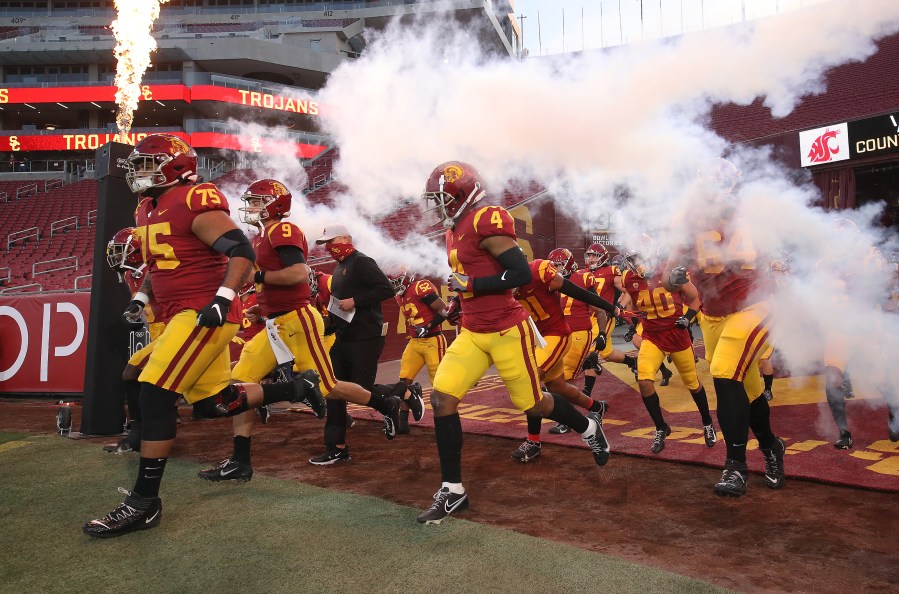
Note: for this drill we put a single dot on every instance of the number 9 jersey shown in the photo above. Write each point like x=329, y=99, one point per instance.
x=279, y=298
x=185, y=272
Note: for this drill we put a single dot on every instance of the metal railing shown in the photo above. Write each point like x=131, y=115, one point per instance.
x=52, y=183
x=66, y=223
x=30, y=288
x=5, y=274
x=23, y=235
x=78, y=278
x=4, y=197
x=26, y=190
x=91, y=217
x=56, y=265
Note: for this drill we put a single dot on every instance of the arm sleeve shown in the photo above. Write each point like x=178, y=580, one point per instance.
x=516, y=273
x=372, y=282
x=290, y=255
x=575, y=292
x=234, y=243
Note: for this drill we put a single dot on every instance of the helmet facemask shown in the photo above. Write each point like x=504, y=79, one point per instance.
x=443, y=202
x=145, y=172
x=254, y=213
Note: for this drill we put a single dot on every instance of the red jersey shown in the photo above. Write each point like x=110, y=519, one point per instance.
x=415, y=310
x=279, y=298
x=662, y=310
x=321, y=302
x=487, y=312
x=726, y=272
x=185, y=272
x=250, y=329
x=605, y=282
x=152, y=312
x=578, y=313
x=541, y=303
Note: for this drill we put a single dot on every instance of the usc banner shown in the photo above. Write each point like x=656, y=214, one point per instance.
x=43, y=342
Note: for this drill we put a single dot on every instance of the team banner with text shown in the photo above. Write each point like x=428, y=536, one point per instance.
x=44, y=342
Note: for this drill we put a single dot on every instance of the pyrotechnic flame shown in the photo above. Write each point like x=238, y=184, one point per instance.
x=132, y=29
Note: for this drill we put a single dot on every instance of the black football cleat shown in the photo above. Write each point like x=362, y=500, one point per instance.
x=135, y=513
x=597, y=441
x=308, y=392
x=416, y=402
x=774, y=464
x=119, y=447
x=445, y=503
x=332, y=456
x=733, y=479
x=227, y=470
x=392, y=416
x=666, y=376
x=844, y=442
x=708, y=433
x=527, y=451
x=658, y=439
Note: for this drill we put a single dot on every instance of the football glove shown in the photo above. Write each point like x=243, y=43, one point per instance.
x=134, y=313
x=459, y=282
x=682, y=322
x=453, y=311
x=629, y=335
x=678, y=276
x=214, y=314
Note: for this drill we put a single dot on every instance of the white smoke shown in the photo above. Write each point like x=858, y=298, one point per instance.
x=631, y=121
x=619, y=131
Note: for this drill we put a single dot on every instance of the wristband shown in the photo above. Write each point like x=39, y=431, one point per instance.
x=259, y=277
x=142, y=297
x=227, y=293
x=691, y=314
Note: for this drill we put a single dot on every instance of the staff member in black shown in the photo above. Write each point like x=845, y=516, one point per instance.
x=357, y=285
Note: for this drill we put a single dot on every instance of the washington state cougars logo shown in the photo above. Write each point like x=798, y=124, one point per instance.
x=452, y=173
x=824, y=147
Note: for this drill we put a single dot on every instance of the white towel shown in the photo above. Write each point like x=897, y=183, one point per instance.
x=541, y=342
x=282, y=353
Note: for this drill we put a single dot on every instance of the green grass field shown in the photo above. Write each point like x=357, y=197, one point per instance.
x=269, y=535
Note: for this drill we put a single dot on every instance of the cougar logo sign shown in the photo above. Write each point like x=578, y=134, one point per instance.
x=824, y=145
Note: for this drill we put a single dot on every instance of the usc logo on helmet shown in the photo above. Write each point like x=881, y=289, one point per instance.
x=278, y=189
x=178, y=145
x=452, y=173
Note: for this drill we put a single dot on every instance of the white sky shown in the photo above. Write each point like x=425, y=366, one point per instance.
x=596, y=23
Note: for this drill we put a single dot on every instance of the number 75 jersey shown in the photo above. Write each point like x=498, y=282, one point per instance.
x=185, y=272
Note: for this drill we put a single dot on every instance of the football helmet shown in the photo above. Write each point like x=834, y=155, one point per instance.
x=160, y=161
x=718, y=175
x=400, y=279
x=563, y=260
x=641, y=256
x=453, y=187
x=599, y=254
x=265, y=199
x=843, y=225
x=123, y=251
x=781, y=261
x=247, y=289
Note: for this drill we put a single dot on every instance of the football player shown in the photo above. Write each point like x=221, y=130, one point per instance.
x=734, y=324
x=123, y=254
x=664, y=334
x=487, y=266
x=197, y=259
x=420, y=304
x=541, y=299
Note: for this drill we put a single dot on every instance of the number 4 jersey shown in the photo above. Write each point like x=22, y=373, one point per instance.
x=185, y=273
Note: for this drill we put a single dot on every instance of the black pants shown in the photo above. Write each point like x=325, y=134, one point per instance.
x=354, y=361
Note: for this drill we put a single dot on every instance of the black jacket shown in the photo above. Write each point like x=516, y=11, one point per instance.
x=359, y=277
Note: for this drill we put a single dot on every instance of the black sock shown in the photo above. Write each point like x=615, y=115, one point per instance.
x=596, y=406
x=665, y=371
x=379, y=403
x=836, y=400
x=702, y=403
x=760, y=422
x=589, y=381
x=241, y=449
x=565, y=413
x=149, y=476
x=448, y=431
x=651, y=403
x=335, y=422
x=733, y=417
x=534, y=425
x=630, y=362
x=281, y=392
x=769, y=381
